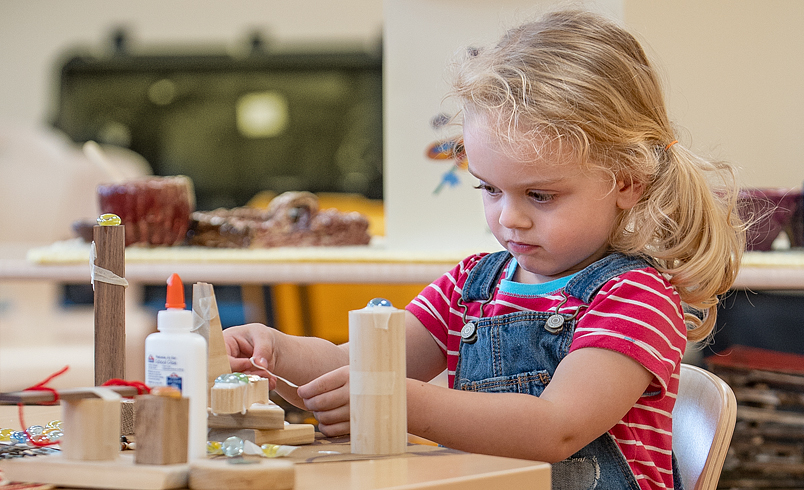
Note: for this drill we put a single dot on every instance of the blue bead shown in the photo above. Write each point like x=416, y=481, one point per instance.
x=19, y=437
x=379, y=302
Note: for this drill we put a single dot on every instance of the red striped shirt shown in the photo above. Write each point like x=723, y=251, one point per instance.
x=638, y=314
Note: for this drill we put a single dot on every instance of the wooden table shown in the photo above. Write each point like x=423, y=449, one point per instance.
x=422, y=468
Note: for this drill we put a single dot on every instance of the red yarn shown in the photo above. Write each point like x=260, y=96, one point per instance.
x=141, y=389
x=40, y=386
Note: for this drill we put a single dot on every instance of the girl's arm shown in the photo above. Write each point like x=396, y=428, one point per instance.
x=591, y=391
x=299, y=359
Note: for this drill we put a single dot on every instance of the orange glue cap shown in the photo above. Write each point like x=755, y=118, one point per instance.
x=175, y=292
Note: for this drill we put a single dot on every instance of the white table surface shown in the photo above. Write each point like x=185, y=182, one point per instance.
x=314, y=265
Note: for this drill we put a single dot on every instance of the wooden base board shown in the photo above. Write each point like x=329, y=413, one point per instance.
x=249, y=474
x=258, y=416
x=290, y=435
x=121, y=473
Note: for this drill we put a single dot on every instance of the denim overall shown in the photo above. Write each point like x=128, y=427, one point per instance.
x=519, y=352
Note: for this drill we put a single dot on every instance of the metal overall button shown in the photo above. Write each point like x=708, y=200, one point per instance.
x=469, y=333
x=554, y=323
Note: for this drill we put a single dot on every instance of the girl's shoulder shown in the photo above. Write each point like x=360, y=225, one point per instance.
x=648, y=276
x=465, y=266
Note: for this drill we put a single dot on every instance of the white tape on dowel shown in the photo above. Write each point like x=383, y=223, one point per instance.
x=380, y=318
x=100, y=274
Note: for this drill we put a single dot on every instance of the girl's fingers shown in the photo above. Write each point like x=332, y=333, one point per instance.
x=332, y=417
x=329, y=382
x=334, y=430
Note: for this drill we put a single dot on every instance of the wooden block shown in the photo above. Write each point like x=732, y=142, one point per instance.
x=110, y=305
x=228, y=398
x=126, y=417
x=120, y=473
x=161, y=429
x=34, y=397
x=377, y=389
x=92, y=429
x=258, y=416
x=205, y=306
x=290, y=435
x=260, y=474
x=259, y=390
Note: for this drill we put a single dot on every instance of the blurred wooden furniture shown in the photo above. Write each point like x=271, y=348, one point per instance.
x=703, y=422
x=766, y=450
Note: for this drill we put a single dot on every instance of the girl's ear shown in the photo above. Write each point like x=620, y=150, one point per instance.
x=628, y=193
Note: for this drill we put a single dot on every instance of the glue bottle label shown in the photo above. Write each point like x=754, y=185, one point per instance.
x=165, y=370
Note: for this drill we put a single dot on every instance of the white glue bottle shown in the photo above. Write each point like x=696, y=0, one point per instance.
x=176, y=356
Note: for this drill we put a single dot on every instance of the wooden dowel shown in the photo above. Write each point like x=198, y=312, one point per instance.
x=37, y=397
x=110, y=305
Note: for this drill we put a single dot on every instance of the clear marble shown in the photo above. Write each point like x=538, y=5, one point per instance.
x=232, y=447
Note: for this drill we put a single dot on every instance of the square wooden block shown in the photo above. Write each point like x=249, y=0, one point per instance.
x=161, y=429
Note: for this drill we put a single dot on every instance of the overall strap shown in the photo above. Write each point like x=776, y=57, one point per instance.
x=484, y=276
x=586, y=284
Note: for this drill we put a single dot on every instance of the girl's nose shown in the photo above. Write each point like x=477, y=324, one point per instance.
x=512, y=215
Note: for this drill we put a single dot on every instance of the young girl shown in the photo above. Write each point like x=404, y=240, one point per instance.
x=566, y=346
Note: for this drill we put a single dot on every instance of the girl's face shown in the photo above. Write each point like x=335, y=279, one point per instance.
x=553, y=216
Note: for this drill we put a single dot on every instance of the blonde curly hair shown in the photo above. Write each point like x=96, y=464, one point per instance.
x=582, y=82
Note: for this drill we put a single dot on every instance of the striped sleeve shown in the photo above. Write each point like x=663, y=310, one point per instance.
x=638, y=314
x=435, y=306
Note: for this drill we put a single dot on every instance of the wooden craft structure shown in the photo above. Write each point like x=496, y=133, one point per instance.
x=242, y=407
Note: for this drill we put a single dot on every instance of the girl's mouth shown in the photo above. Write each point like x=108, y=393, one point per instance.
x=520, y=248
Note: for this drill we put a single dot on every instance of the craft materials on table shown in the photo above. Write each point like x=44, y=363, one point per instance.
x=176, y=360
x=377, y=389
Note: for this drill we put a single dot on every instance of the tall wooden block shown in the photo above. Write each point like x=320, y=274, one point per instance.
x=161, y=429
x=91, y=428
x=377, y=388
x=110, y=305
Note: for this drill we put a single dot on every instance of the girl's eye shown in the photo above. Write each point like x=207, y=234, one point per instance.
x=541, y=196
x=486, y=188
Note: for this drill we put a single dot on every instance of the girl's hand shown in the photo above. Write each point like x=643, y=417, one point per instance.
x=328, y=398
x=245, y=342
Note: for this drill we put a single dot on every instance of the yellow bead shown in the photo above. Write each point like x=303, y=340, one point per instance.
x=214, y=447
x=269, y=450
x=109, y=219
x=5, y=435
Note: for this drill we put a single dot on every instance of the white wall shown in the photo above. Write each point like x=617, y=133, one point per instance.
x=733, y=73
